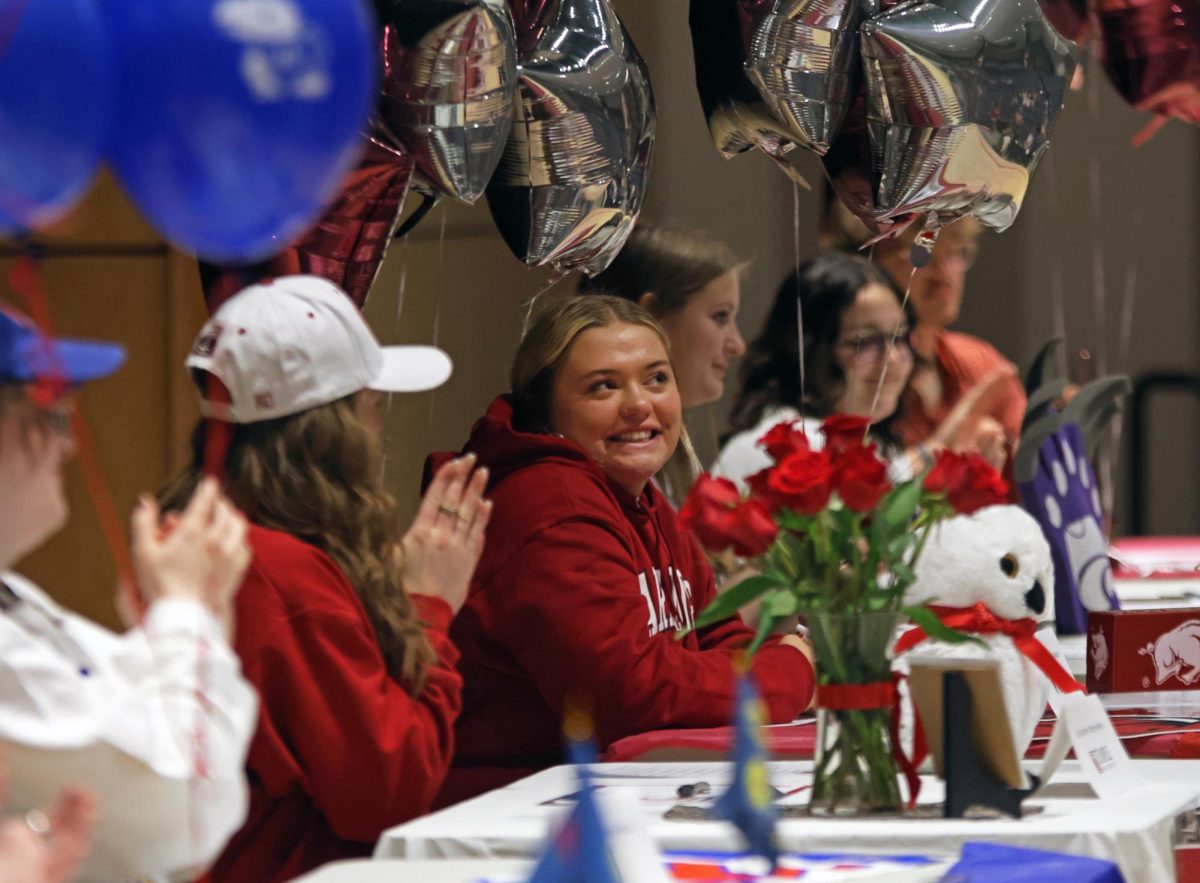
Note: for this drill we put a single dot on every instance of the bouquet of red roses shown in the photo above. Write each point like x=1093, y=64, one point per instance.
x=834, y=539
x=828, y=529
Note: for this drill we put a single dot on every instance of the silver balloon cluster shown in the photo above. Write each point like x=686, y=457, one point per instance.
x=939, y=108
x=573, y=175
x=449, y=86
x=543, y=104
x=803, y=59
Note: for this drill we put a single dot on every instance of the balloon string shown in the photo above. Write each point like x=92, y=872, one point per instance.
x=1057, y=292
x=799, y=309
x=26, y=281
x=557, y=276
x=925, y=241
x=1097, y=219
x=391, y=396
x=1106, y=456
x=437, y=312
x=1108, y=502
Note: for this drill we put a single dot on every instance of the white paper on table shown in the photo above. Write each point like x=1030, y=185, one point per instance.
x=1056, y=751
x=633, y=851
x=1102, y=757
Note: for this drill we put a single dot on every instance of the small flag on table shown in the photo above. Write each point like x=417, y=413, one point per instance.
x=578, y=852
x=748, y=803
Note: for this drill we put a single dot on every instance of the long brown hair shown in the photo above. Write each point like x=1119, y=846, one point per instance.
x=545, y=346
x=672, y=263
x=316, y=475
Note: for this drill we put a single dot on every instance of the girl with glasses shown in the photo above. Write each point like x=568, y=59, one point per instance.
x=858, y=360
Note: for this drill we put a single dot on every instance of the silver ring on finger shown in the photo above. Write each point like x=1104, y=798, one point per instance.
x=39, y=823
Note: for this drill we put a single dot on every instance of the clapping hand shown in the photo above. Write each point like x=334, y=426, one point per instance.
x=969, y=427
x=445, y=540
x=200, y=555
x=46, y=847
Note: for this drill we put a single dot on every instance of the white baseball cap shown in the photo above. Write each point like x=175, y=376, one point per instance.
x=296, y=342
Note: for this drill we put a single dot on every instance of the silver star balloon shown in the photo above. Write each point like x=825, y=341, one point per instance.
x=573, y=176
x=803, y=58
x=449, y=87
x=962, y=96
x=739, y=118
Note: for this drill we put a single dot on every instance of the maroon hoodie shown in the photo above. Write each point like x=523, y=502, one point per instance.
x=579, y=593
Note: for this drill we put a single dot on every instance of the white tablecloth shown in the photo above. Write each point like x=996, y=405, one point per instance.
x=518, y=871
x=1135, y=831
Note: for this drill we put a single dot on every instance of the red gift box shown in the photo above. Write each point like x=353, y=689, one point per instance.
x=1133, y=651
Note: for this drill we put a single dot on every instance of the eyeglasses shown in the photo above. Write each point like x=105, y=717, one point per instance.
x=57, y=418
x=870, y=347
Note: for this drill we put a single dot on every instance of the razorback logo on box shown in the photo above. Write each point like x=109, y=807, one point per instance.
x=1132, y=651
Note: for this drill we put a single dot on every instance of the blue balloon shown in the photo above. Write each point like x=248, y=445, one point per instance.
x=55, y=107
x=236, y=119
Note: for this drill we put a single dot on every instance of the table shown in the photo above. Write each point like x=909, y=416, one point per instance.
x=460, y=871
x=1150, y=725
x=518, y=871
x=1135, y=831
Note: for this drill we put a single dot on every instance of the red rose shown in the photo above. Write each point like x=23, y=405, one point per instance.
x=860, y=478
x=760, y=488
x=981, y=486
x=783, y=439
x=801, y=481
x=947, y=472
x=968, y=481
x=752, y=529
x=708, y=509
x=844, y=432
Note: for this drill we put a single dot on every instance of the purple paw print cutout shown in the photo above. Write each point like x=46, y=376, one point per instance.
x=1063, y=497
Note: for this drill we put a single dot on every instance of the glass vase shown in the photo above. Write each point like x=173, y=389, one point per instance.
x=855, y=772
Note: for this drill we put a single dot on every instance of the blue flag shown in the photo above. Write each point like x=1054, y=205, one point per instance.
x=578, y=852
x=998, y=863
x=749, y=802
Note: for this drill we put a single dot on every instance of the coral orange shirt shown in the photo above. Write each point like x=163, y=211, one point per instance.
x=962, y=361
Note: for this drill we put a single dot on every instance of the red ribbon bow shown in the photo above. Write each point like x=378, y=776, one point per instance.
x=981, y=621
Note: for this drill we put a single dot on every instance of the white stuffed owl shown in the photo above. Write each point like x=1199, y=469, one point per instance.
x=998, y=557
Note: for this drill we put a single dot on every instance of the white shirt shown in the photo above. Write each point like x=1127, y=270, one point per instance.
x=741, y=456
x=133, y=718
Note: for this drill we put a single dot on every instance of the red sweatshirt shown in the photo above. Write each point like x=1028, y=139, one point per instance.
x=342, y=750
x=579, y=593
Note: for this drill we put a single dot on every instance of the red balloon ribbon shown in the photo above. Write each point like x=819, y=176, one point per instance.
x=25, y=279
x=981, y=621
x=882, y=694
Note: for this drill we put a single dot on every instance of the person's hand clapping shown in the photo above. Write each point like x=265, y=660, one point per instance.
x=444, y=543
x=987, y=439
x=46, y=847
x=201, y=555
x=959, y=429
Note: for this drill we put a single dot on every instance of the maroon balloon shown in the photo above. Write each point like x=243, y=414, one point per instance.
x=347, y=245
x=1151, y=51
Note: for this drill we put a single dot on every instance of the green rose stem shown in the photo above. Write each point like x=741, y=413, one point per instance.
x=855, y=769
